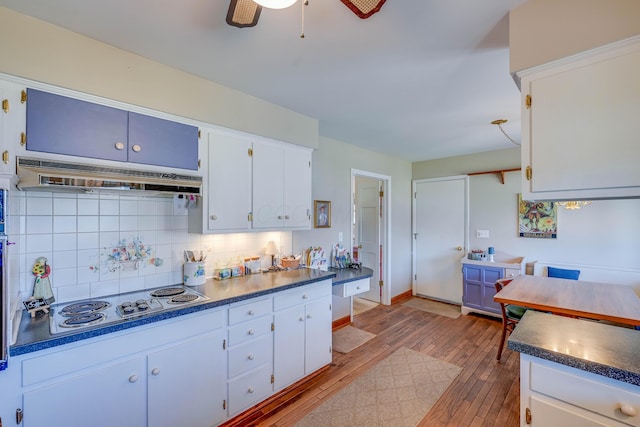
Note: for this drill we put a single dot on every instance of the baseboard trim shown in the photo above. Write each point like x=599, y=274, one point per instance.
x=339, y=323
x=401, y=297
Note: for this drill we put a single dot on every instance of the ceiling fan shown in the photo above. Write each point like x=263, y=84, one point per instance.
x=245, y=13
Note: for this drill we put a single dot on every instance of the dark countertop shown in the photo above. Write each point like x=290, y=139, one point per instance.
x=34, y=333
x=599, y=348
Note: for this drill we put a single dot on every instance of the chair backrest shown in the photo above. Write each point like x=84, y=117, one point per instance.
x=501, y=283
x=563, y=273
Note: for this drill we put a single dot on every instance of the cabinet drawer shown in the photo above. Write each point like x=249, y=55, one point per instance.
x=249, y=330
x=249, y=310
x=511, y=272
x=301, y=295
x=586, y=393
x=250, y=355
x=352, y=288
x=249, y=389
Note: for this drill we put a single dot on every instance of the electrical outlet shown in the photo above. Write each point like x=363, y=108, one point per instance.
x=482, y=234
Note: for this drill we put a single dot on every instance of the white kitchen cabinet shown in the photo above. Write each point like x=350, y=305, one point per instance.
x=106, y=396
x=226, y=199
x=171, y=373
x=250, y=353
x=12, y=124
x=281, y=186
x=552, y=394
x=580, y=125
x=186, y=383
x=252, y=183
x=302, y=335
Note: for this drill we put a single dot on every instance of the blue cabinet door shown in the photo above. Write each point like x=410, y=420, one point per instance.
x=154, y=141
x=479, y=287
x=61, y=125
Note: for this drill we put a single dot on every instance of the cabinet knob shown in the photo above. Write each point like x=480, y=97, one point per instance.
x=302, y=318
x=250, y=356
x=357, y=288
x=155, y=371
x=250, y=312
x=133, y=378
x=309, y=316
x=250, y=389
x=627, y=409
x=214, y=217
x=279, y=216
x=459, y=248
x=250, y=332
x=136, y=148
x=304, y=296
x=286, y=217
x=119, y=146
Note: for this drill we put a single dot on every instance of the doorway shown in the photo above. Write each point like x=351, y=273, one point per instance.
x=369, y=231
x=440, y=236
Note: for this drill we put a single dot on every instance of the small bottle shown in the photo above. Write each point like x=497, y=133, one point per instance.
x=491, y=252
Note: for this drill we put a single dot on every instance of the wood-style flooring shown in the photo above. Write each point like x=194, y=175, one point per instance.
x=486, y=393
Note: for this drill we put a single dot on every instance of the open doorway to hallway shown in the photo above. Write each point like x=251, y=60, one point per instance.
x=369, y=232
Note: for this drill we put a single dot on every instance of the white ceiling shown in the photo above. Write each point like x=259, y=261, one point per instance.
x=421, y=79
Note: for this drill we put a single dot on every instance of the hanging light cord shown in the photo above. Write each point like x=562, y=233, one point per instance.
x=304, y=3
x=500, y=122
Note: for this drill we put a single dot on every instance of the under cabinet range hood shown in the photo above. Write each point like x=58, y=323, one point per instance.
x=57, y=175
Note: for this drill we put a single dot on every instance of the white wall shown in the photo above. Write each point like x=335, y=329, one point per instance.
x=603, y=234
x=332, y=164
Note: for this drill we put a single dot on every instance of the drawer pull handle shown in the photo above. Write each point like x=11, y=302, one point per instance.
x=250, y=389
x=133, y=378
x=250, y=332
x=155, y=371
x=250, y=356
x=251, y=312
x=627, y=410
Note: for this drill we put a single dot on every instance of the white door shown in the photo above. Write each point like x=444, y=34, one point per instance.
x=367, y=231
x=440, y=231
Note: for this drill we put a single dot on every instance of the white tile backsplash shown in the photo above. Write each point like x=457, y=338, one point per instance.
x=76, y=232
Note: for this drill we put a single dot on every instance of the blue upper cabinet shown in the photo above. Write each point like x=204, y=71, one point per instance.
x=62, y=125
x=159, y=142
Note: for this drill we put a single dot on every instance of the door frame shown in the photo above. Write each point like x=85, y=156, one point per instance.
x=385, y=234
x=414, y=262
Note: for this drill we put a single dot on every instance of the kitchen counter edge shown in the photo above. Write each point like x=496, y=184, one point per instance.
x=612, y=350
x=34, y=333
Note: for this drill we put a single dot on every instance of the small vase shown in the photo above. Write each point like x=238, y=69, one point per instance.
x=129, y=265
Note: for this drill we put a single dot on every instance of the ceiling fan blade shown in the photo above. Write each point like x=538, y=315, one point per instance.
x=243, y=13
x=364, y=8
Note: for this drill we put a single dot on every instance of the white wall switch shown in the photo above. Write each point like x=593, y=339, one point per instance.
x=340, y=236
x=482, y=234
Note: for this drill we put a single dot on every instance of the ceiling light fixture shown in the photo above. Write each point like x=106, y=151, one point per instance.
x=499, y=123
x=574, y=204
x=276, y=4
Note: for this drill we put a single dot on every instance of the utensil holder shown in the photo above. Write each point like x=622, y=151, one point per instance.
x=194, y=274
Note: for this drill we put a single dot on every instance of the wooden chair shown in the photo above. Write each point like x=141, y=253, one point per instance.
x=511, y=315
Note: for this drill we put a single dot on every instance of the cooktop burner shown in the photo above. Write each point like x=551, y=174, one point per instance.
x=119, y=308
x=83, y=320
x=181, y=299
x=84, y=307
x=167, y=292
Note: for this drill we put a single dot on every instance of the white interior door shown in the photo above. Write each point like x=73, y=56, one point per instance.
x=440, y=236
x=367, y=231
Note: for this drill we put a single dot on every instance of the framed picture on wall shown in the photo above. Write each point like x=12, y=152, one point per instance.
x=321, y=214
x=537, y=219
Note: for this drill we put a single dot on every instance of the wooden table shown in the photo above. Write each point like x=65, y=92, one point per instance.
x=591, y=300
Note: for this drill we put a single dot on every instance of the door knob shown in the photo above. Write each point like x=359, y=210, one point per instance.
x=459, y=248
